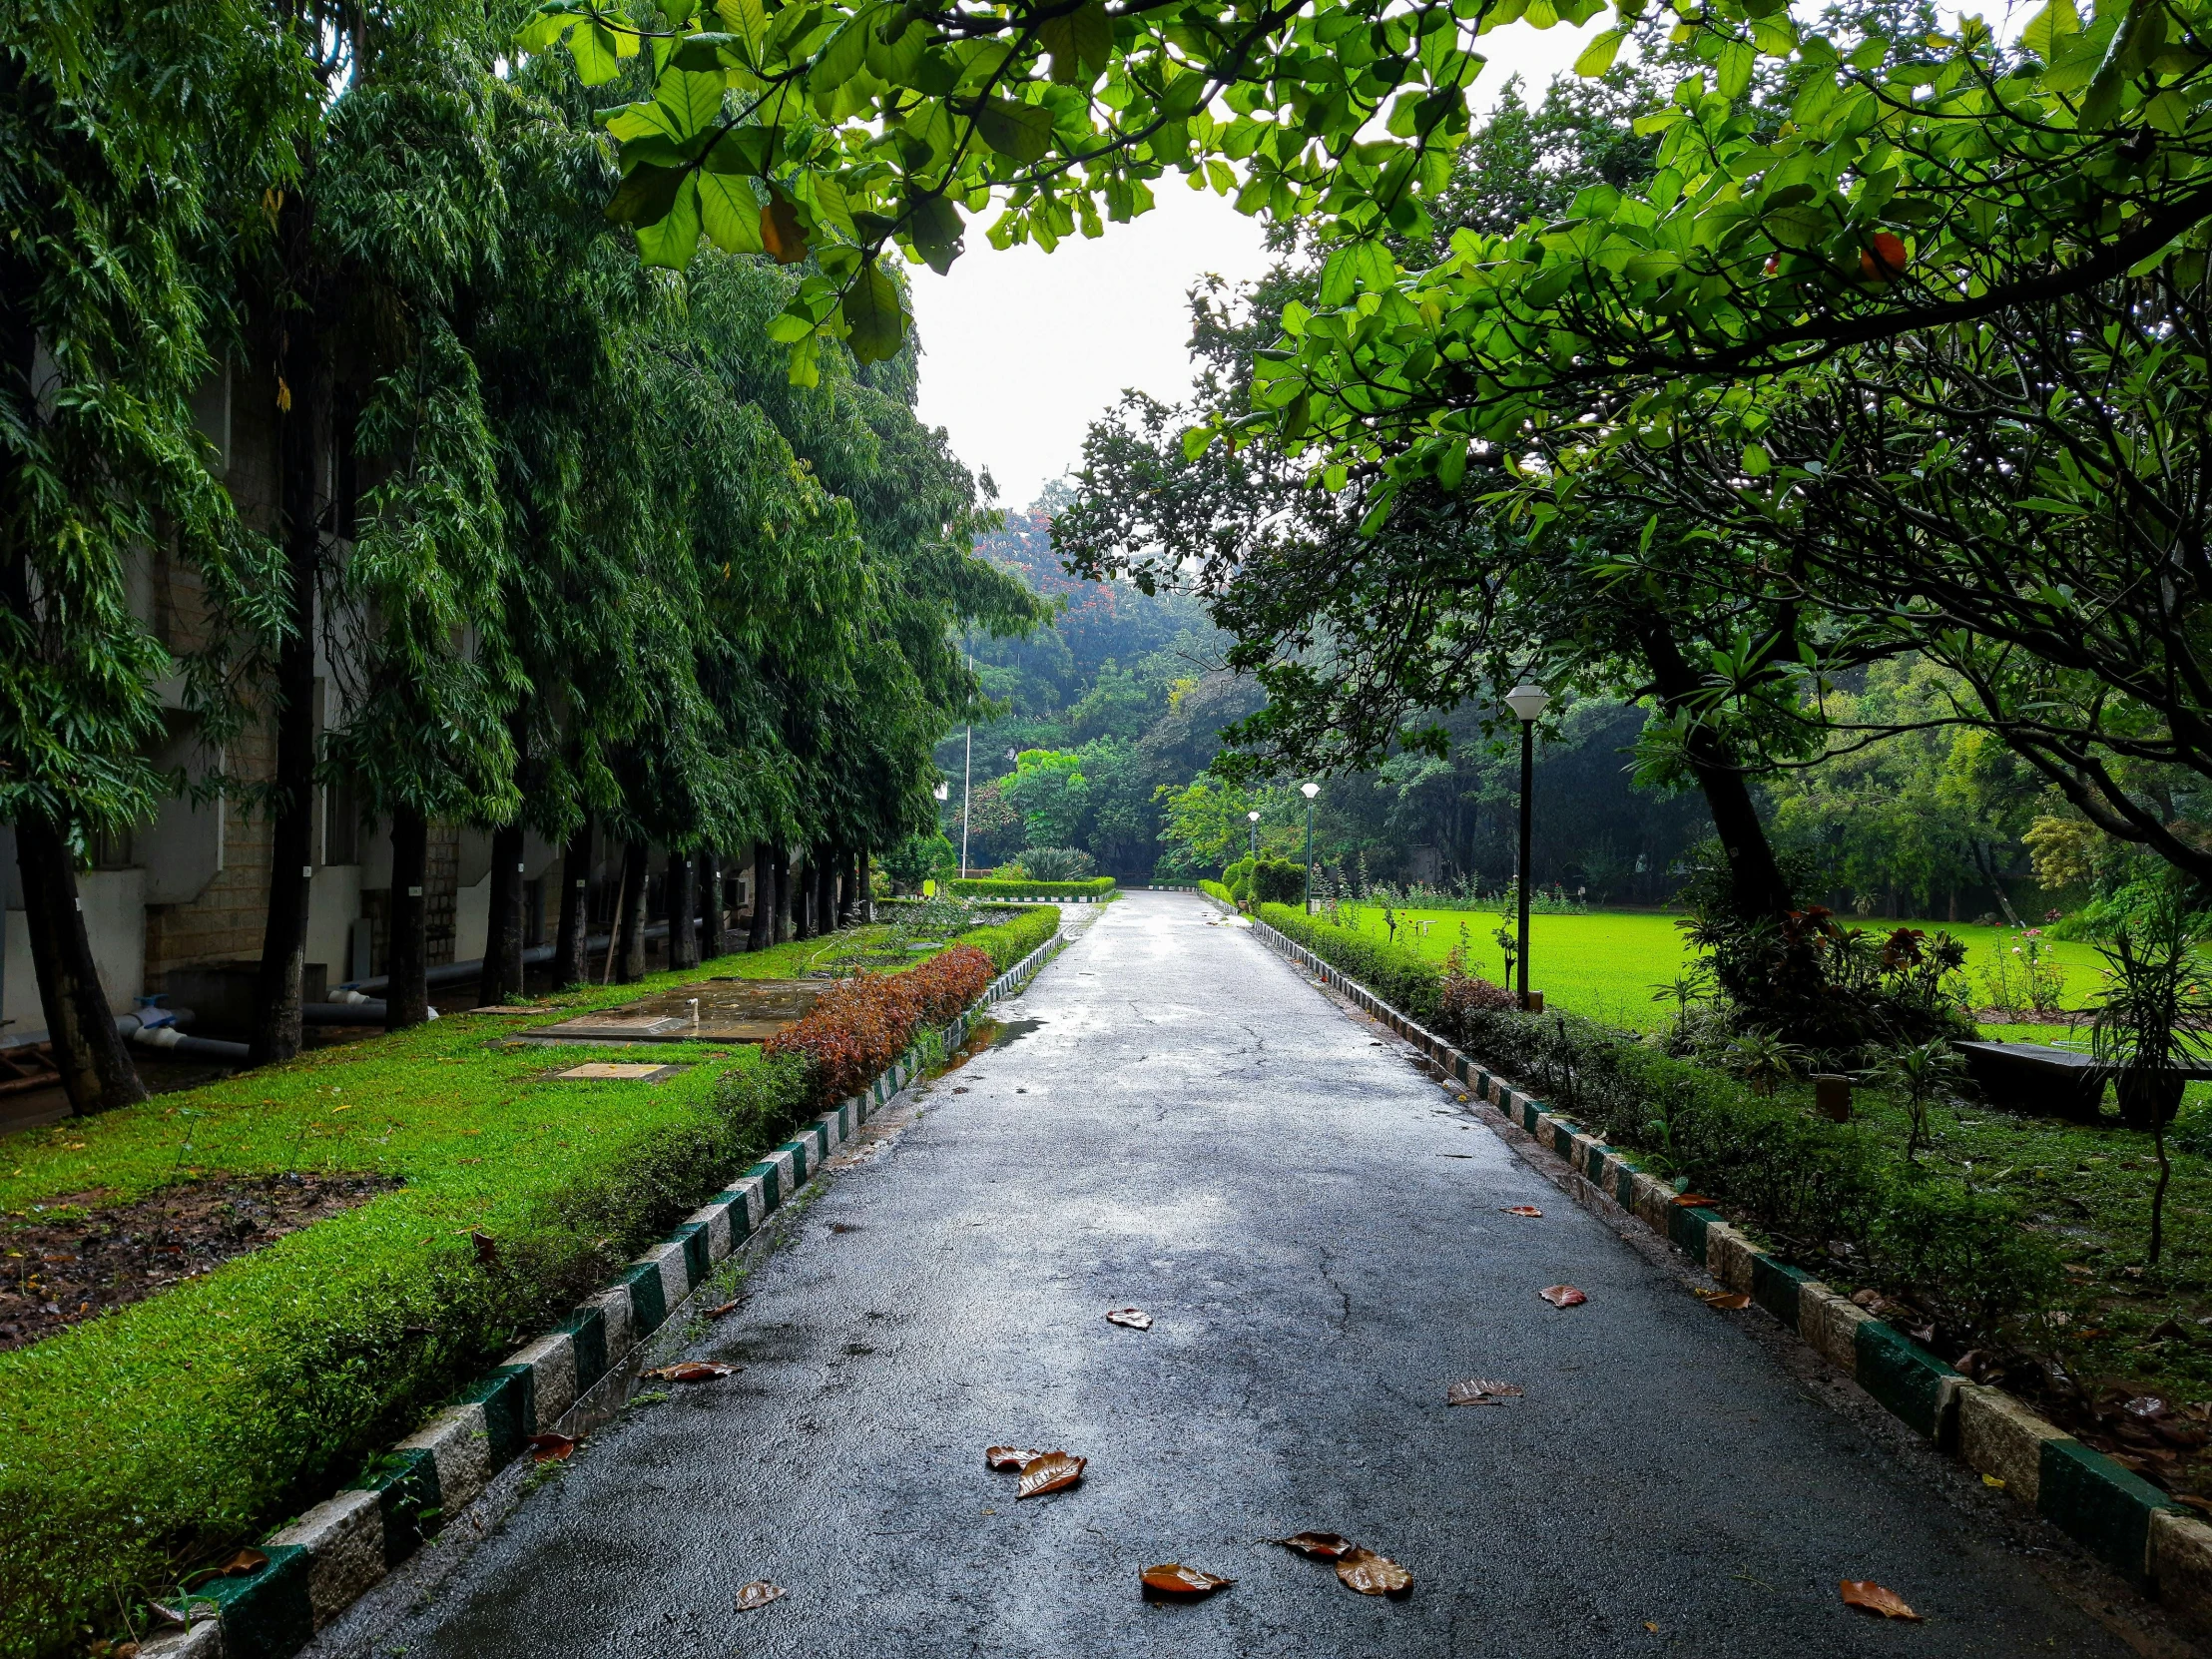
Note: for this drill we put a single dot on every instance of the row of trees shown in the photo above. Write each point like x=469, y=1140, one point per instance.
x=573, y=540
x=1825, y=387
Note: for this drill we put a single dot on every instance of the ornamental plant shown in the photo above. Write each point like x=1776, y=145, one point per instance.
x=860, y=1027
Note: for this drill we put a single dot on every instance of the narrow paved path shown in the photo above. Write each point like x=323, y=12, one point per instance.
x=1194, y=1129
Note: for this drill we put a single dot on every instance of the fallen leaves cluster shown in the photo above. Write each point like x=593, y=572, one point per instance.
x=1358, y=1567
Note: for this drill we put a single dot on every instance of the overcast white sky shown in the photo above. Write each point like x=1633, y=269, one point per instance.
x=1022, y=350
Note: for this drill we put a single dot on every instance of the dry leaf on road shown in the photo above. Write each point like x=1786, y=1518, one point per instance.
x=1859, y=1592
x=1729, y=1299
x=692, y=1371
x=1135, y=1318
x=1373, y=1575
x=1521, y=1209
x=726, y=1310
x=758, y=1593
x=1009, y=1456
x=1321, y=1546
x=1173, y=1579
x=1049, y=1473
x=244, y=1561
x=1480, y=1390
x=1562, y=1296
x=550, y=1449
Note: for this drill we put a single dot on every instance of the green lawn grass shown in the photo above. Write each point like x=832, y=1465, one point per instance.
x=146, y=1438
x=1607, y=964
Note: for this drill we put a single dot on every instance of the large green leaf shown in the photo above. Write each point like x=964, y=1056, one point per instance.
x=730, y=209
x=646, y=195
x=1019, y=132
x=1081, y=43
x=672, y=239
x=875, y=322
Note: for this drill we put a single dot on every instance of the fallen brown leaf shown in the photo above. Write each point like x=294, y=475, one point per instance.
x=1371, y=1574
x=1134, y=1318
x=1729, y=1299
x=244, y=1561
x=487, y=1248
x=1689, y=1200
x=692, y=1371
x=1174, y=1581
x=1009, y=1456
x=1480, y=1390
x=758, y=1593
x=1562, y=1296
x=550, y=1449
x=1321, y=1546
x=726, y=1310
x=1859, y=1592
x=1529, y=1210
x=1050, y=1471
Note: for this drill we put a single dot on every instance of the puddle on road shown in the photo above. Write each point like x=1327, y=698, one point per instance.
x=987, y=1034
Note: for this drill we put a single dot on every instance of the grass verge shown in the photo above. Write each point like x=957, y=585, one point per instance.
x=141, y=1444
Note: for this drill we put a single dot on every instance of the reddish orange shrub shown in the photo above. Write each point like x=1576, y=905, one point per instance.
x=860, y=1025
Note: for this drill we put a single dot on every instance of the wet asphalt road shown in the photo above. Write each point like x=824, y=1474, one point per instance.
x=1196, y=1130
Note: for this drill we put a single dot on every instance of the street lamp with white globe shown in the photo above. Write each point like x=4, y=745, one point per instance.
x=1309, y=790
x=1254, y=818
x=1528, y=703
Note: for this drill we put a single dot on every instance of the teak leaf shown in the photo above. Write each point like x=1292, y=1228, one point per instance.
x=1174, y=1581
x=1371, y=1574
x=1050, y=1472
x=1860, y=1592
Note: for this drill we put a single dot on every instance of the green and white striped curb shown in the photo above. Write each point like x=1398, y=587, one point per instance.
x=2123, y=1520
x=321, y=1562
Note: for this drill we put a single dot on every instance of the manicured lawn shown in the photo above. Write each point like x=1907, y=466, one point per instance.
x=1607, y=964
x=149, y=1438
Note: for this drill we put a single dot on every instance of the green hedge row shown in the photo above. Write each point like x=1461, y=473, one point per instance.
x=1098, y=886
x=172, y=1430
x=1215, y=890
x=1956, y=1252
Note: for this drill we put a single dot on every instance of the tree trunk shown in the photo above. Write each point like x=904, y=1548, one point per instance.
x=630, y=950
x=301, y=437
x=407, y=990
x=781, y=906
x=802, y=901
x=682, y=910
x=502, y=974
x=1756, y=886
x=96, y=1068
x=569, y=965
x=763, y=933
x=825, y=892
x=863, y=884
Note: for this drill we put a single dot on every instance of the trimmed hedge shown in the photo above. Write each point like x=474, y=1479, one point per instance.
x=1958, y=1253
x=1097, y=886
x=859, y=1027
x=1215, y=890
x=170, y=1432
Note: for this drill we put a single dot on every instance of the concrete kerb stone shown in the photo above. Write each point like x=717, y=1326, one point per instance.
x=2125, y=1521
x=321, y=1562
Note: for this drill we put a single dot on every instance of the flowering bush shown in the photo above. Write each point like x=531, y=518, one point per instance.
x=862, y=1025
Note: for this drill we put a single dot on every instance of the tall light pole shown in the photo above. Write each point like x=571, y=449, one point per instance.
x=967, y=772
x=1254, y=818
x=1309, y=790
x=1528, y=703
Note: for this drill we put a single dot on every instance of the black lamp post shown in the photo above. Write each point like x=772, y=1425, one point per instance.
x=1528, y=703
x=1309, y=790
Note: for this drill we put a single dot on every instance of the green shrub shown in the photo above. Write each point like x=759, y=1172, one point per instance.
x=1098, y=886
x=1219, y=893
x=1960, y=1255
x=1277, y=881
